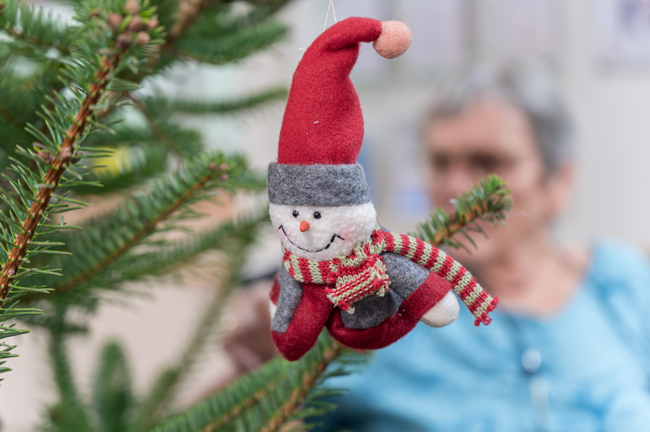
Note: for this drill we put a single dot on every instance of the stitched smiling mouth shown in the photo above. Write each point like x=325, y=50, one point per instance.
x=307, y=250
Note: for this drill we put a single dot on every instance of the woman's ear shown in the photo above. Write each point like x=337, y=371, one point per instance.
x=561, y=185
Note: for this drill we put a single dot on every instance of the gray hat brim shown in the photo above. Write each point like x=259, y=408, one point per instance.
x=317, y=185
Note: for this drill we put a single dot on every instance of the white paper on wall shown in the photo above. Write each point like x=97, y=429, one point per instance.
x=622, y=31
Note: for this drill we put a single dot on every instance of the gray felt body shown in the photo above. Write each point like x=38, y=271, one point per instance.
x=372, y=311
x=317, y=185
x=290, y=295
x=405, y=277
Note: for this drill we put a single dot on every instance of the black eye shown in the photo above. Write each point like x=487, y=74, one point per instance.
x=316, y=215
x=295, y=213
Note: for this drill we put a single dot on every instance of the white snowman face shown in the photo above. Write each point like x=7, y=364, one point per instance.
x=322, y=233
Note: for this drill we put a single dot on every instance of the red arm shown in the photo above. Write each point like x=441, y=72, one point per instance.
x=295, y=330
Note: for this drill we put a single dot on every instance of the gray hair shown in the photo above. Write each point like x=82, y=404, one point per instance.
x=526, y=87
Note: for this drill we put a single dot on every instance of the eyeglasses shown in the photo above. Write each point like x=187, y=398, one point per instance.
x=477, y=163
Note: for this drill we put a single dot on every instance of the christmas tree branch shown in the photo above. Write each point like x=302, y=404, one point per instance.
x=140, y=217
x=173, y=256
x=33, y=40
x=308, y=379
x=67, y=120
x=188, y=11
x=488, y=200
x=222, y=107
x=156, y=129
x=70, y=411
x=261, y=399
x=62, y=121
x=58, y=165
x=113, y=394
x=234, y=46
x=4, y=112
x=144, y=231
x=243, y=405
x=27, y=23
x=241, y=237
x=138, y=154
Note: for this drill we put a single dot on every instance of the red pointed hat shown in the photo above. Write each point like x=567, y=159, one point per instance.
x=322, y=129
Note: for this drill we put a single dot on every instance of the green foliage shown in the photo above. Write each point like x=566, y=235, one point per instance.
x=222, y=107
x=240, y=34
x=234, y=46
x=61, y=80
x=234, y=238
x=115, y=407
x=97, y=250
x=267, y=398
x=113, y=395
x=131, y=166
x=32, y=28
x=175, y=255
x=66, y=87
x=488, y=200
x=70, y=413
x=29, y=199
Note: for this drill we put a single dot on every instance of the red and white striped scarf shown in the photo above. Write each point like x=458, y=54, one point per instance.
x=363, y=272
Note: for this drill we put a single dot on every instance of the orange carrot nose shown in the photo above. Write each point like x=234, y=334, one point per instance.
x=304, y=226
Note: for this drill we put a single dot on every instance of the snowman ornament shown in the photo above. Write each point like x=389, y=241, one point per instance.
x=341, y=270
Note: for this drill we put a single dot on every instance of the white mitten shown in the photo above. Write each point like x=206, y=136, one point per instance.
x=273, y=308
x=443, y=313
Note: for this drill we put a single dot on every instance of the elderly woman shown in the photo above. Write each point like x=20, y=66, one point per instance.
x=569, y=345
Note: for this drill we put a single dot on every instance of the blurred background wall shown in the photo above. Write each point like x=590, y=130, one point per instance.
x=595, y=47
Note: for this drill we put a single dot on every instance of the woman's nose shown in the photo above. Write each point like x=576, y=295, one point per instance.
x=304, y=226
x=457, y=180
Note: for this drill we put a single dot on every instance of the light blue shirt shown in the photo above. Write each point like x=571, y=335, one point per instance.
x=587, y=368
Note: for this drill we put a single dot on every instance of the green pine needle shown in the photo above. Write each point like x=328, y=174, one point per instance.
x=65, y=121
x=232, y=47
x=114, y=400
x=263, y=400
x=97, y=249
x=234, y=106
x=31, y=27
x=488, y=200
x=234, y=240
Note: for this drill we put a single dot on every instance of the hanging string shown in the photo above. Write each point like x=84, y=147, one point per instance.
x=301, y=51
x=327, y=17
